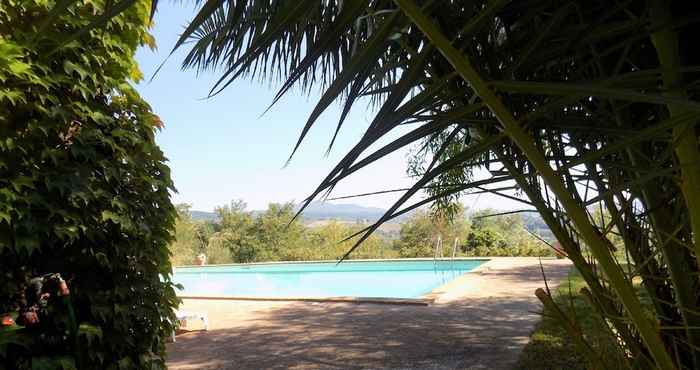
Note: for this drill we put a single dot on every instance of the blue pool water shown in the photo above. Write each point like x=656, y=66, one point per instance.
x=395, y=279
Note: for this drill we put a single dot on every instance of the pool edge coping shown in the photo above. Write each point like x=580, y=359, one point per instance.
x=375, y=300
x=437, y=292
x=345, y=261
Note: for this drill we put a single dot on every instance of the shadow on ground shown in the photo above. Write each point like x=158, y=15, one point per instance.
x=468, y=333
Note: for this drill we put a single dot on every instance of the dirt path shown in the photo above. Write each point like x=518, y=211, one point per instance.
x=481, y=321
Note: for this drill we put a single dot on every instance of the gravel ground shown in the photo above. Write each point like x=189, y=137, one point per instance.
x=480, y=320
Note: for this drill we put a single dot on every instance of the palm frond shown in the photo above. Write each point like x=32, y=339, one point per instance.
x=579, y=103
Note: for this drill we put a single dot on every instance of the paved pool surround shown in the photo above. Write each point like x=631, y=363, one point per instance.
x=480, y=320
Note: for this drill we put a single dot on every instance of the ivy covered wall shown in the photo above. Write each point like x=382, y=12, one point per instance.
x=84, y=189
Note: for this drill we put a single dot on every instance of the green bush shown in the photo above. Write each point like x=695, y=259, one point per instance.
x=420, y=233
x=502, y=235
x=483, y=242
x=241, y=236
x=84, y=190
x=186, y=245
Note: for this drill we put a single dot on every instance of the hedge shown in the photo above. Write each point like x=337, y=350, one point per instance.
x=84, y=189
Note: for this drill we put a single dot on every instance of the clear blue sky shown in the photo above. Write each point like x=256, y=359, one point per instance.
x=222, y=149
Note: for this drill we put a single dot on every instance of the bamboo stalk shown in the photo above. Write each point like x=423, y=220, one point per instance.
x=574, y=254
x=599, y=246
x=665, y=41
x=687, y=149
x=574, y=331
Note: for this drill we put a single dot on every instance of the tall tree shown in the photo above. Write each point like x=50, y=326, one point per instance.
x=428, y=235
x=184, y=248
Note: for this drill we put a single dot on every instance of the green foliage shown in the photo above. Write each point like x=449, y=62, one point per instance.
x=420, y=234
x=502, y=235
x=84, y=189
x=275, y=236
x=185, y=246
x=604, y=221
x=233, y=233
x=239, y=236
x=550, y=346
x=325, y=243
x=476, y=235
x=267, y=237
x=482, y=242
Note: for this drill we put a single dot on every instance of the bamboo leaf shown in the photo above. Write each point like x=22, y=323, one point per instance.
x=461, y=157
x=360, y=62
x=585, y=90
x=513, y=129
x=648, y=133
x=351, y=10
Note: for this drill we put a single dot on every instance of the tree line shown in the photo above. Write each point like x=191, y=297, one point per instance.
x=240, y=236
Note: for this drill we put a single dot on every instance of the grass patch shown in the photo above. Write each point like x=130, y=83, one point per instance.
x=550, y=346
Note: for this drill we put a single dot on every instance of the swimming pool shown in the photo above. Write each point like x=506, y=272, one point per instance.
x=390, y=279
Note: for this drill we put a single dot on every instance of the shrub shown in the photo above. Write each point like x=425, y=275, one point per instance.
x=483, y=242
x=185, y=247
x=84, y=190
x=420, y=233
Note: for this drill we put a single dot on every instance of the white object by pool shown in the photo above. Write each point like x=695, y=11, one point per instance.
x=385, y=278
x=185, y=315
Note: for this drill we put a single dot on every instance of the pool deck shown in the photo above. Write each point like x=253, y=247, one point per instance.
x=481, y=320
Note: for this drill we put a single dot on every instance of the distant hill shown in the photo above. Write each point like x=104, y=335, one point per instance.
x=322, y=211
x=345, y=212
x=318, y=213
x=535, y=224
x=388, y=230
x=203, y=216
